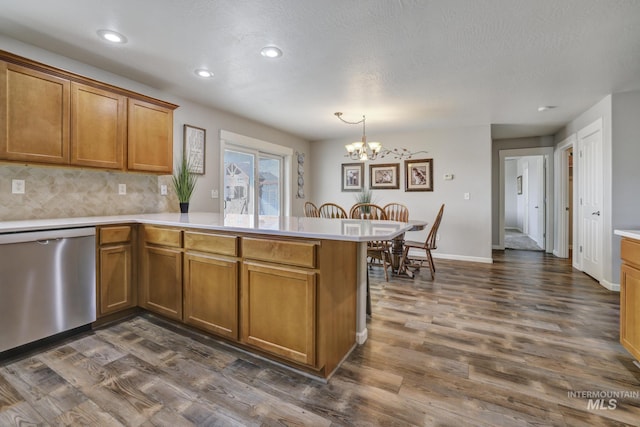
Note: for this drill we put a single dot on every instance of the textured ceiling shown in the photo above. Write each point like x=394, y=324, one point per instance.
x=407, y=65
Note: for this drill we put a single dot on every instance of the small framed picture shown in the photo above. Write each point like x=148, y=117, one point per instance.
x=384, y=176
x=519, y=184
x=352, y=176
x=194, y=145
x=418, y=175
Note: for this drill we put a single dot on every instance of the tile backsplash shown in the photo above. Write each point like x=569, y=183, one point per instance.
x=52, y=192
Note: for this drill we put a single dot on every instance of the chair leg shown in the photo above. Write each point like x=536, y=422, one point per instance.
x=385, y=265
x=432, y=266
x=403, y=261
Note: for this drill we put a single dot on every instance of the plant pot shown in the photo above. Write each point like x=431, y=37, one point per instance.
x=184, y=207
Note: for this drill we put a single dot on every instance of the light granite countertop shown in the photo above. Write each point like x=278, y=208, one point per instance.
x=316, y=228
x=632, y=234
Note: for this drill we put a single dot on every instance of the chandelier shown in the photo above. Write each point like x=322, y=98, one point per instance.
x=361, y=150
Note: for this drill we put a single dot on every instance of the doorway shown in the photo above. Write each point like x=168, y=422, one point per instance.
x=252, y=182
x=524, y=203
x=256, y=175
x=545, y=208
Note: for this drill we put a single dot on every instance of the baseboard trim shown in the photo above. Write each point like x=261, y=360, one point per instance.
x=463, y=258
x=361, y=337
x=615, y=287
x=497, y=247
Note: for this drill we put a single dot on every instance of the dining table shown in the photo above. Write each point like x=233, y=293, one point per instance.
x=397, y=247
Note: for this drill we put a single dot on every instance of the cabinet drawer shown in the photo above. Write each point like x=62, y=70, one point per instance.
x=163, y=236
x=119, y=234
x=212, y=243
x=302, y=254
x=630, y=251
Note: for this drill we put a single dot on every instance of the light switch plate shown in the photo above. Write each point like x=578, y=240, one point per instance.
x=467, y=196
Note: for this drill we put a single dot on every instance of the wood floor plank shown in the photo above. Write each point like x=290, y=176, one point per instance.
x=502, y=344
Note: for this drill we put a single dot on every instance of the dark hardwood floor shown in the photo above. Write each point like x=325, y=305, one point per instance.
x=508, y=344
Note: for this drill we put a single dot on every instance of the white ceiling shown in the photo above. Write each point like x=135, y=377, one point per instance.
x=407, y=65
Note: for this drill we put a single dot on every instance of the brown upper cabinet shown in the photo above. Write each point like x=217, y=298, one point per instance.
x=51, y=116
x=35, y=115
x=150, y=137
x=98, y=127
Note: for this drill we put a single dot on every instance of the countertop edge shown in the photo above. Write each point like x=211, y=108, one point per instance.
x=61, y=223
x=632, y=234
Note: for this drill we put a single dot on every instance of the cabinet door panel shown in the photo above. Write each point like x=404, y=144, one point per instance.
x=211, y=294
x=35, y=116
x=630, y=309
x=278, y=311
x=150, y=137
x=162, y=287
x=116, y=281
x=98, y=127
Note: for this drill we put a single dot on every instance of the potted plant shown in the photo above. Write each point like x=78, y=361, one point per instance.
x=184, y=183
x=365, y=196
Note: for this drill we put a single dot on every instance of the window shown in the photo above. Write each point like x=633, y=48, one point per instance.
x=254, y=177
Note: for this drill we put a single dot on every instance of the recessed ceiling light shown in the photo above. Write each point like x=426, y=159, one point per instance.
x=112, y=36
x=546, y=107
x=271, y=52
x=201, y=72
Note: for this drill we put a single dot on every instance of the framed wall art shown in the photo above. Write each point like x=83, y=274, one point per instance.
x=352, y=176
x=194, y=146
x=418, y=175
x=385, y=176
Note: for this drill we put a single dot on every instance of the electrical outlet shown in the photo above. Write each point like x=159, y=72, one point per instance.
x=214, y=194
x=122, y=189
x=467, y=196
x=163, y=190
x=17, y=186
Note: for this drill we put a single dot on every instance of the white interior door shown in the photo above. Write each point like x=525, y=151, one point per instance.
x=590, y=203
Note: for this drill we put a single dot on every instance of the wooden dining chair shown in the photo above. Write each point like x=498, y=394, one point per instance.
x=396, y=212
x=367, y=211
x=378, y=251
x=311, y=210
x=331, y=210
x=415, y=254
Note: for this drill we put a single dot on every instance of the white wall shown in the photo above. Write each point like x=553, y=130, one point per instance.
x=625, y=170
x=511, y=194
x=212, y=120
x=465, y=232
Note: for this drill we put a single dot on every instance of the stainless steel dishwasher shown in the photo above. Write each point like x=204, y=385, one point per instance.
x=47, y=284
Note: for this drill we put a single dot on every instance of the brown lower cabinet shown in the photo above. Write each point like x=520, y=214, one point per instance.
x=160, y=280
x=287, y=298
x=116, y=287
x=630, y=296
x=211, y=283
x=279, y=310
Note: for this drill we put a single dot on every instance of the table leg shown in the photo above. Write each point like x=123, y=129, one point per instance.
x=396, y=252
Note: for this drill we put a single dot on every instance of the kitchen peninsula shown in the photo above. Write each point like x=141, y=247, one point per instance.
x=290, y=289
